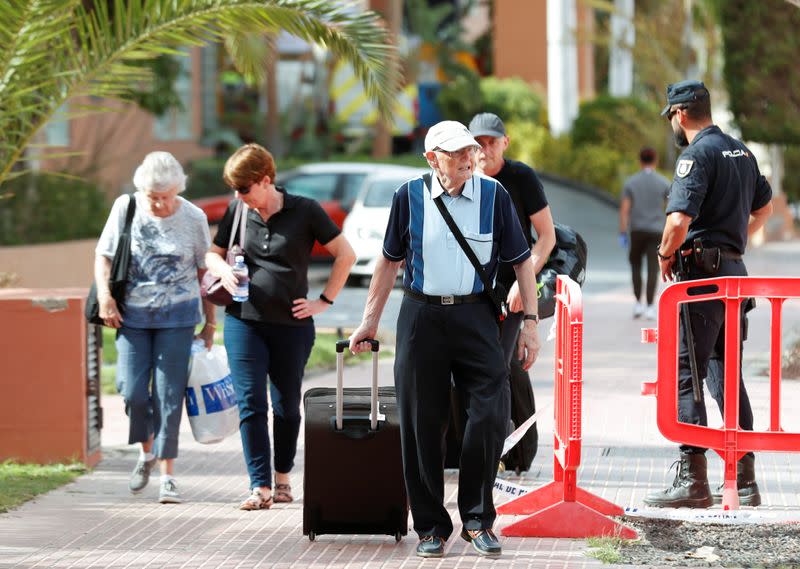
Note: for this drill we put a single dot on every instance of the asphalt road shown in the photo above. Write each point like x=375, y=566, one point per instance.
x=594, y=220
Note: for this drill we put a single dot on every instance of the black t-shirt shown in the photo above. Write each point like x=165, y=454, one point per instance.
x=527, y=193
x=718, y=184
x=277, y=253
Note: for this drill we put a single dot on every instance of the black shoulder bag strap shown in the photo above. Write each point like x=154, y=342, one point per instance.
x=488, y=287
x=119, y=264
x=118, y=277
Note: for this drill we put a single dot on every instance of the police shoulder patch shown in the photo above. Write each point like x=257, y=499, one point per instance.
x=684, y=167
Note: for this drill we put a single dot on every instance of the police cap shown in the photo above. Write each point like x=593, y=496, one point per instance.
x=683, y=92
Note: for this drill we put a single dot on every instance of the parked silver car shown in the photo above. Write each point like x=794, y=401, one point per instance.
x=365, y=225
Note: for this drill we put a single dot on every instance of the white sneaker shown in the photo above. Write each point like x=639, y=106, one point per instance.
x=168, y=494
x=650, y=313
x=638, y=310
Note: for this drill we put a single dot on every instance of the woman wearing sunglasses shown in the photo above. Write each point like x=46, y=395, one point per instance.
x=271, y=334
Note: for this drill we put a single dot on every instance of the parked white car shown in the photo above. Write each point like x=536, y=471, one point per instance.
x=365, y=225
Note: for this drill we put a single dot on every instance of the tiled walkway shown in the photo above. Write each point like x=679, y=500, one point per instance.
x=95, y=522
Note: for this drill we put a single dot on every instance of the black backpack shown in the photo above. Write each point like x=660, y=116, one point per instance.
x=567, y=258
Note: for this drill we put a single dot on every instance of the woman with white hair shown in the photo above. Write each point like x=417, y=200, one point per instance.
x=169, y=239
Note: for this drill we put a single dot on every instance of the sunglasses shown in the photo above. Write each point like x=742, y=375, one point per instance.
x=243, y=191
x=671, y=112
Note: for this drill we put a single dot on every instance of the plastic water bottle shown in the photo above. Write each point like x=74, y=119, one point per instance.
x=242, y=274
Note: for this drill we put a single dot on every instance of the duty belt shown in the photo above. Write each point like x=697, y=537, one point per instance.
x=445, y=300
x=730, y=254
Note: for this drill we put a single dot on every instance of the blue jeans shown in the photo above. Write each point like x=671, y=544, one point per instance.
x=255, y=350
x=152, y=372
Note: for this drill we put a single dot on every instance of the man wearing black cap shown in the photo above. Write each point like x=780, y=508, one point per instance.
x=717, y=200
x=530, y=203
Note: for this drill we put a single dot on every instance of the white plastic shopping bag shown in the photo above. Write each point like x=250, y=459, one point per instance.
x=210, y=399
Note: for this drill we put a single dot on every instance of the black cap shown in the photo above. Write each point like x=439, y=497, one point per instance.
x=487, y=124
x=683, y=92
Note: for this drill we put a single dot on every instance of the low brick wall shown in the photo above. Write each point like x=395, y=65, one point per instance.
x=65, y=264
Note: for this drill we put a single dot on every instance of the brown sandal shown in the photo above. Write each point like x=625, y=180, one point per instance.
x=256, y=501
x=283, y=493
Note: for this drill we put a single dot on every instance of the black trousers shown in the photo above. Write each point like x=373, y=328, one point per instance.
x=708, y=327
x=435, y=343
x=509, y=334
x=644, y=244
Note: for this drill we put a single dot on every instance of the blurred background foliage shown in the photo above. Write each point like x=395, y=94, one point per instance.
x=44, y=208
x=730, y=44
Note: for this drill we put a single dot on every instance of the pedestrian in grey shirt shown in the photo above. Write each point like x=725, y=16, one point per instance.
x=641, y=216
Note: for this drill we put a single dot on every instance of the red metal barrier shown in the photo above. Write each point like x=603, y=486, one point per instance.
x=730, y=441
x=560, y=508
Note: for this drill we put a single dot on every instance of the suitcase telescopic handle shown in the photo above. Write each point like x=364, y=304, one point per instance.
x=342, y=345
x=373, y=412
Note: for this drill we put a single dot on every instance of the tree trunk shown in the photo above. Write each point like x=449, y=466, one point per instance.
x=273, y=130
x=776, y=158
x=393, y=14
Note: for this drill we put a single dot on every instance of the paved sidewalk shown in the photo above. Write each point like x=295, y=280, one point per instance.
x=95, y=522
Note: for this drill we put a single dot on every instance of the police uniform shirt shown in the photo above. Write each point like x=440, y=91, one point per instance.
x=435, y=263
x=277, y=253
x=717, y=183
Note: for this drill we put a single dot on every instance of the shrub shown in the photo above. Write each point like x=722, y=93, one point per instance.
x=458, y=101
x=48, y=208
x=624, y=124
x=592, y=164
x=510, y=99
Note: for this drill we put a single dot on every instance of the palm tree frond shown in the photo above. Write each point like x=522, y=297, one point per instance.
x=51, y=50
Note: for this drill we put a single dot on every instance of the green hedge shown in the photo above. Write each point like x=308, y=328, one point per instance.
x=47, y=208
x=511, y=99
x=624, y=124
x=602, y=149
x=594, y=164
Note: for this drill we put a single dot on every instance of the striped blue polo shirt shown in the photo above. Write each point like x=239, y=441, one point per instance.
x=435, y=263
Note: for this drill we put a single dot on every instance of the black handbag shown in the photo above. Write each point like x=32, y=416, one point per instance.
x=497, y=292
x=118, y=278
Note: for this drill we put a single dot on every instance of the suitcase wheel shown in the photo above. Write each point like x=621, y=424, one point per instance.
x=398, y=536
x=312, y=536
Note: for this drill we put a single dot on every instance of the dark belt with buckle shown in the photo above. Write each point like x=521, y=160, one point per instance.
x=730, y=254
x=445, y=300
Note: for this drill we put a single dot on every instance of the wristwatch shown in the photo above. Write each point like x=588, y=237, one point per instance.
x=534, y=317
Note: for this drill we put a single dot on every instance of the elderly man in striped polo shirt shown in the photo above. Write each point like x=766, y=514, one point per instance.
x=447, y=327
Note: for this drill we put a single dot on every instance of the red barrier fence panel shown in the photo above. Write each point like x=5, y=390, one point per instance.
x=560, y=508
x=729, y=441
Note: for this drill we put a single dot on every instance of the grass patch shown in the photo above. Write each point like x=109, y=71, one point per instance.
x=22, y=482
x=323, y=356
x=606, y=549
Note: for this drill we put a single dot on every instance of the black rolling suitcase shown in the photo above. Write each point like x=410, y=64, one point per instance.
x=353, y=479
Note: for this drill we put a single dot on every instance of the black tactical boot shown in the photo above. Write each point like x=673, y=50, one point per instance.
x=690, y=487
x=745, y=482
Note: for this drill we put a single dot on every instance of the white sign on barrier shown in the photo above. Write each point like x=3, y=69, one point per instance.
x=717, y=516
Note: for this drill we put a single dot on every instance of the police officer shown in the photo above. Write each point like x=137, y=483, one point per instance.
x=717, y=200
x=447, y=327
